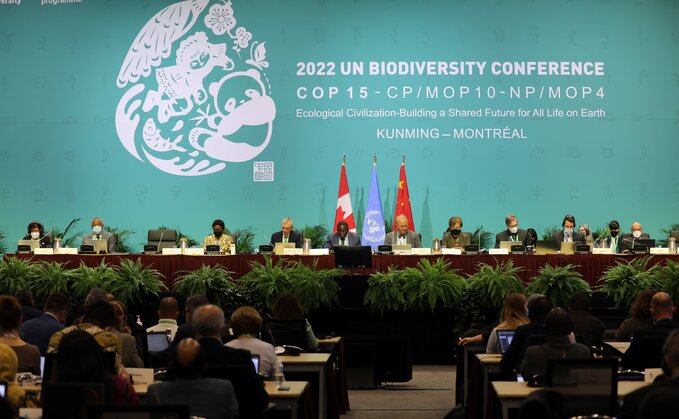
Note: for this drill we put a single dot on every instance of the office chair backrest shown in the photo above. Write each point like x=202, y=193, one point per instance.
x=650, y=352
x=285, y=332
x=154, y=236
x=238, y=375
x=138, y=411
x=70, y=400
x=140, y=336
x=49, y=372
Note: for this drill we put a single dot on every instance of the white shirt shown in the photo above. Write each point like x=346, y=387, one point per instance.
x=163, y=325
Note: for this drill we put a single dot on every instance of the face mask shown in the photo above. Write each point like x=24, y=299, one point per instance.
x=35, y=235
x=514, y=230
x=456, y=232
x=636, y=234
x=96, y=230
x=218, y=233
x=568, y=231
x=614, y=233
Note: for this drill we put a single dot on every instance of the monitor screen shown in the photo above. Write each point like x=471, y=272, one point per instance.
x=157, y=341
x=353, y=256
x=505, y=338
x=255, y=362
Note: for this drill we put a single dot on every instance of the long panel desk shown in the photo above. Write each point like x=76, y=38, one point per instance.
x=590, y=266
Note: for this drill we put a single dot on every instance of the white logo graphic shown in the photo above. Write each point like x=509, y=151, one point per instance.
x=373, y=228
x=209, y=102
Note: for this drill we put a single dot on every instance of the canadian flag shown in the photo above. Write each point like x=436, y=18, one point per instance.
x=344, y=211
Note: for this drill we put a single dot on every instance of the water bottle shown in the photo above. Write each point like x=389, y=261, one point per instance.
x=672, y=245
x=436, y=246
x=139, y=321
x=278, y=374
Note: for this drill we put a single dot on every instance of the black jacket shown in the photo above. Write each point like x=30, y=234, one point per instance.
x=512, y=357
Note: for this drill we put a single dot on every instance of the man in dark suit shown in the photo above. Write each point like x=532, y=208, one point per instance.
x=28, y=310
x=402, y=235
x=614, y=241
x=98, y=233
x=662, y=310
x=557, y=345
x=287, y=234
x=629, y=239
x=39, y=330
x=537, y=312
x=186, y=329
x=584, y=323
x=343, y=237
x=568, y=233
x=513, y=233
x=632, y=403
x=208, y=325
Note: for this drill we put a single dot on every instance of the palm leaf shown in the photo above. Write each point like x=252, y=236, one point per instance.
x=133, y=281
x=558, y=283
x=626, y=279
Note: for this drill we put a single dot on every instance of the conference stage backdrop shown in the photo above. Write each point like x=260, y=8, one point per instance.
x=175, y=113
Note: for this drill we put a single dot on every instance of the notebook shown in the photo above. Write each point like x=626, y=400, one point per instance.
x=505, y=338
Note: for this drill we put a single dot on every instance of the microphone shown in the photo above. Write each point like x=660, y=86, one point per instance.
x=268, y=240
x=161, y=239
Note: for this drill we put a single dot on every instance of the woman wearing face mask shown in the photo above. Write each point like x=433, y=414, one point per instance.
x=584, y=229
x=37, y=232
x=218, y=237
x=454, y=237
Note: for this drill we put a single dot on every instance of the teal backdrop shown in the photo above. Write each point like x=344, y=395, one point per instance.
x=62, y=156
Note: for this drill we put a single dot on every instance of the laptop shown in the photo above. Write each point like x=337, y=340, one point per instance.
x=157, y=341
x=100, y=246
x=279, y=248
x=30, y=243
x=255, y=362
x=504, y=337
x=567, y=248
x=546, y=247
x=508, y=244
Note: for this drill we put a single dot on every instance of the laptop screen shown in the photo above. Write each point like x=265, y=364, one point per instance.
x=255, y=362
x=157, y=341
x=42, y=367
x=505, y=338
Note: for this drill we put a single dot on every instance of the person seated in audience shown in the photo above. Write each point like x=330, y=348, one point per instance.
x=632, y=403
x=167, y=317
x=96, y=294
x=80, y=359
x=454, y=238
x=568, y=234
x=186, y=329
x=587, y=233
x=10, y=322
x=557, y=345
x=246, y=324
x=16, y=395
x=218, y=237
x=513, y=233
x=287, y=307
x=98, y=233
x=537, y=312
x=589, y=327
x=28, y=310
x=629, y=239
x=209, y=326
x=343, y=237
x=514, y=314
x=37, y=232
x=662, y=310
x=614, y=240
x=640, y=316
x=206, y=397
x=287, y=234
x=128, y=344
x=98, y=321
x=39, y=331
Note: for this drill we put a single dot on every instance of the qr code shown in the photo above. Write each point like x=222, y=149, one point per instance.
x=262, y=171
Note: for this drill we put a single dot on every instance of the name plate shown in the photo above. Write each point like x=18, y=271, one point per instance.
x=194, y=251
x=141, y=375
x=403, y=252
x=602, y=251
x=659, y=250
x=498, y=251
x=293, y=251
x=422, y=251
x=43, y=251
x=446, y=251
x=319, y=252
x=68, y=251
x=172, y=251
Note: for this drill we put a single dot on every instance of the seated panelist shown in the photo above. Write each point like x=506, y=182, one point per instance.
x=402, y=235
x=636, y=233
x=568, y=233
x=513, y=233
x=98, y=233
x=454, y=237
x=343, y=237
x=37, y=232
x=287, y=234
x=218, y=237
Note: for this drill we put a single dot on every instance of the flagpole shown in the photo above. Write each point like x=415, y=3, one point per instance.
x=375, y=159
x=404, y=159
x=344, y=160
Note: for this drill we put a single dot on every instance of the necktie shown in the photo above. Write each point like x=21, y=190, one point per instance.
x=342, y=242
x=285, y=239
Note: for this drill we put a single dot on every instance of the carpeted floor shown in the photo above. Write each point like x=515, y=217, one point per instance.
x=428, y=395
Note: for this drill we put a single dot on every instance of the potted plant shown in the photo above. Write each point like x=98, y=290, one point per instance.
x=626, y=279
x=3, y=246
x=66, y=239
x=245, y=239
x=211, y=281
x=134, y=282
x=14, y=275
x=313, y=287
x=49, y=277
x=431, y=285
x=487, y=238
x=558, y=283
x=318, y=235
x=267, y=280
x=668, y=276
x=386, y=290
x=86, y=278
x=122, y=236
x=490, y=284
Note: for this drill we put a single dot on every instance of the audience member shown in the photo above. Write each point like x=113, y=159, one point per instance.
x=246, y=323
x=662, y=310
x=514, y=314
x=557, y=345
x=537, y=312
x=28, y=310
x=80, y=359
x=128, y=344
x=206, y=397
x=16, y=395
x=192, y=304
x=167, y=317
x=589, y=327
x=39, y=330
x=640, y=316
x=10, y=321
x=287, y=307
x=95, y=294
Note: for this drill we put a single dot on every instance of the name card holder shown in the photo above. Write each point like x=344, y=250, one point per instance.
x=498, y=251
x=659, y=250
x=422, y=251
x=43, y=251
x=172, y=251
x=68, y=251
x=194, y=251
x=319, y=252
x=293, y=251
x=602, y=251
x=455, y=251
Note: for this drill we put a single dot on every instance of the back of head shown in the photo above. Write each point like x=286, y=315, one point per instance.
x=95, y=294
x=10, y=314
x=641, y=308
x=539, y=308
x=188, y=359
x=287, y=307
x=671, y=352
x=208, y=321
x=579, y=301
x=25, y=297
x=246, y=321
x=80, y=359
x=56, y=303
x=514, y=311
x=8, y=363
x=101, y=314
x=194, y=302
x=660, y=403
x=661, y=305
x=558, y=323
x=169, y=308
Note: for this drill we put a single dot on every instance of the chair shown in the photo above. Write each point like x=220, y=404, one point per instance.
x=162, y=238
x=285, y=332
x=70, y=400
x=142, y=345
x=237, y=374
x=49, y=371
x=587, y=385
x=542, y=404
x=650, y=352
x=139, y=411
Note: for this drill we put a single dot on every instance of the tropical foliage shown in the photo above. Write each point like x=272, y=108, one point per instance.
x=492, y=283
x=49, y=277
x=318, y=235
x=549, y=231
x=211, y=281
x=85, y=278
x=386, y=290
x=3, y=245
x=123, y=235
x=558, y=283
x=431, y=285
x=134, y=281
x=68, y=237
x=626, y=279
x=245, y=240
x=668, y=276
x=15, y=273
x=487, y=238
x=663, y=242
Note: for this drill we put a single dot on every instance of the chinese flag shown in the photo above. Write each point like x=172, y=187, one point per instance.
x=403, y=200
x=344, y=211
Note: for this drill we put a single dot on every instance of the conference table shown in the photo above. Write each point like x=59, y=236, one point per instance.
x=172, y=266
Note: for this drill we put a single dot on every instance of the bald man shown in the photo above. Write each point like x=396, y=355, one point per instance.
x=402, y=235
x=98, y=233
x=167, y=317
x=636, y=233
x=206, y=397
x=662, y=311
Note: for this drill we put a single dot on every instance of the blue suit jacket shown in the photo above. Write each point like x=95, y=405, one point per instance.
x=351, y=240
x=39, y=331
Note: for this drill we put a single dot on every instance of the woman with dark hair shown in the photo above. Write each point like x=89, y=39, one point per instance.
x=287, y=307
x=10, y=322
x=80, y=359
x=35, y=231
x=640, y=316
